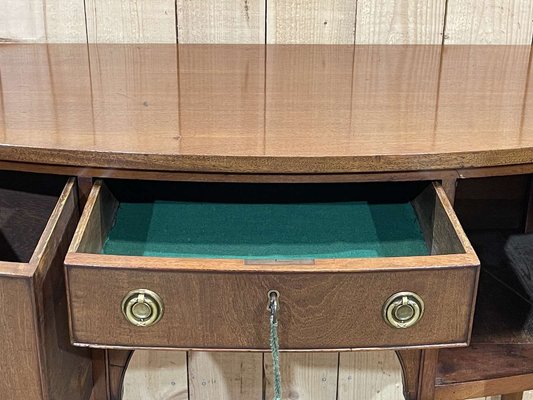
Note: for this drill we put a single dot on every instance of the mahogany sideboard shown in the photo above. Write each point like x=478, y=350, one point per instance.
x=327, y=173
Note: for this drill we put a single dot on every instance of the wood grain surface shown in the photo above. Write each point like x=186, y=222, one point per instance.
x=21, y=349
x=483, y=370
x=156, y=375
x=304, y=376
x=43, y=21
x=215, y=135
x=400, y=22
x=311, y=22
x=316, y=309
x=369, y=375
x=110, y=21
x=66, y=370
x=255, y=21
x=225, y=376
x=410, y=361
x=37, y=357
x=212, y=21
x=489, y=22
x=162, y=375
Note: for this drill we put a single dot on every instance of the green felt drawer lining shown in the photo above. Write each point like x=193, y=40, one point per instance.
x=338, y=229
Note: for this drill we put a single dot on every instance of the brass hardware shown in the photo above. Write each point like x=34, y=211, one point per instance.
x=403, y=309
x=261, y=261
x=142, y=307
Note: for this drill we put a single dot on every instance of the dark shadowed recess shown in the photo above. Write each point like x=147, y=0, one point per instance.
x=26, y=203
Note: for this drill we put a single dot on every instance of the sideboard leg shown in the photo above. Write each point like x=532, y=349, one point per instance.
x=427, y=374
x=410, y=362
x=100, y=375
x=117, y=364
x=513, y=396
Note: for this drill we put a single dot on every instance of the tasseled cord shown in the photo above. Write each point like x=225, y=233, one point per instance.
x=274, y=344
x=274, y=347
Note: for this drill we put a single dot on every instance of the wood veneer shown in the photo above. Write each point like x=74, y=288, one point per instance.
x=483, y=370
x=38, y=360
x=183, y=117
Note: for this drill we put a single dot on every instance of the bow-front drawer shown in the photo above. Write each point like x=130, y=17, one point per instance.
x=191, y=265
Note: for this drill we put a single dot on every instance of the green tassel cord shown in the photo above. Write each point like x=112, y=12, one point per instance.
x=274, y=347
x=274, y=342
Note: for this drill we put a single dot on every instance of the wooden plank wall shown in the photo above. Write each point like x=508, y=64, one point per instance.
x=268, y=21
x=320, y=376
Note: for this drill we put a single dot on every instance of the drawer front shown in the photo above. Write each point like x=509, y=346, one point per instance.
x=229, y=310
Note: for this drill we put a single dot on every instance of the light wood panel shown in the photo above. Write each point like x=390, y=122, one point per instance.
x=64, y=21
x=400, y=21
x=304, y=376
x=42, y=21
x=312, y=22
x=238, y=376
x=489, y=22
x=236, y=21
x=225, y=376
x=215, y=21
x=156, y=375
x=22, y=21
x=373, y=375
x=111, y=21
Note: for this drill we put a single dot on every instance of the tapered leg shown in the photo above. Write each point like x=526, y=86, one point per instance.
x=513, y=396
x=428, y=372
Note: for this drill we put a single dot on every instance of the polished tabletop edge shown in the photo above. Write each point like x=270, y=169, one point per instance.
x=275, y=109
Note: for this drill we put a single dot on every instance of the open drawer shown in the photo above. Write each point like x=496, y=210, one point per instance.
x=190, y=265
x=38, y=216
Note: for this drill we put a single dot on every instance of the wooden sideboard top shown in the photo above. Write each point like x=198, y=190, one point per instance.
x=266, y=109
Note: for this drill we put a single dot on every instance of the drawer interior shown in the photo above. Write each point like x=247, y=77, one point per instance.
x=272, y=221
x=495, y=215
x=26, y=204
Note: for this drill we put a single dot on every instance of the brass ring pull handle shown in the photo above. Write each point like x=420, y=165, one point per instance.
x=142, y=307
x=403, y=310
